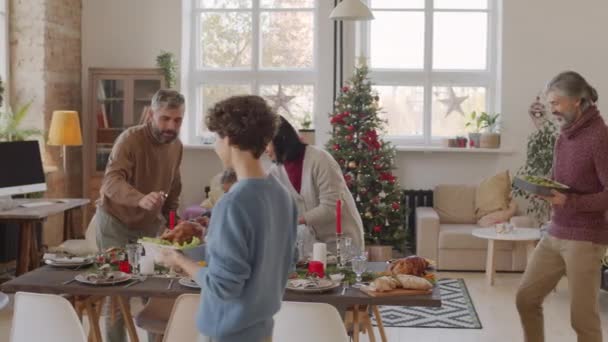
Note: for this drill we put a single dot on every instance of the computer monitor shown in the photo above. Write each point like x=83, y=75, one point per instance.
x=21, y=171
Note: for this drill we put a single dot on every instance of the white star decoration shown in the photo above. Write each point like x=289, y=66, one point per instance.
x=280, y=100
x=453, y=102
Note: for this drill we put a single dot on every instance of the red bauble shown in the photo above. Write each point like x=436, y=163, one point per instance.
x=350, y=128
x=349, y=138
x=395, y=206
x=336, y=147
x=345, y=89
x=377, y=166
x=377, y=229
x=376, y=200
x=348, y=178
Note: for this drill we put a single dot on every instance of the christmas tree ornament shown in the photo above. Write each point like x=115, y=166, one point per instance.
x=352, y=164
x=358, y=198
x=453, y=102
x=280, y=100
x=368, y=214
x=377, y=229
x=395, y=206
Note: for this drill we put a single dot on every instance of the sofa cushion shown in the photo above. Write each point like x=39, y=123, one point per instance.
x=455, y=203
x=460, y=236
x=493, y=194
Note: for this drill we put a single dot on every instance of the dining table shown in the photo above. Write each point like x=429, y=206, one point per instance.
x=61, y=281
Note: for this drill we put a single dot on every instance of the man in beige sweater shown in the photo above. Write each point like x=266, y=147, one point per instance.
x=142, y=182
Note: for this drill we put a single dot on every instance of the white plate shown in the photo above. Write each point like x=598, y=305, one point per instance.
x=67, y=264
x=119, y=277
x=187, y=282
x=324, y=285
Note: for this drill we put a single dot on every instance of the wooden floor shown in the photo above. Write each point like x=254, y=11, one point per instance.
x=495, y=306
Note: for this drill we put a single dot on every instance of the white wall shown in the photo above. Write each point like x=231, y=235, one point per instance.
x=540, y=39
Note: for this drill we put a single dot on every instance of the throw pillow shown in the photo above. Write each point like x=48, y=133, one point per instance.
x=493, y=194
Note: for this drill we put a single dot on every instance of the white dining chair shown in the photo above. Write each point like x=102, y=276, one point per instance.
x=3, y=300
x=322, y=322
x=44, y=317
x=182, y=323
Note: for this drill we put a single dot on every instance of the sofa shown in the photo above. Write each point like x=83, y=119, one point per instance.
x=444, y=233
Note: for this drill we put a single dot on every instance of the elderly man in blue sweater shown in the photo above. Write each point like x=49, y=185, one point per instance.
x=251, y=234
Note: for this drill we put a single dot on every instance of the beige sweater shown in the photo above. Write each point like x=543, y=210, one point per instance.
x=138, y=165
x=322, y=184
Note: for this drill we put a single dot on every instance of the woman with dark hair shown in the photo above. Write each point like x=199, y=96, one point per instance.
x=314, y=179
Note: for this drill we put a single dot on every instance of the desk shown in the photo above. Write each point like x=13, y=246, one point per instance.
x=27, y=257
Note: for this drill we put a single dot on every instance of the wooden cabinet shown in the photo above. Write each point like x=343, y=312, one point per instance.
x=117, y=99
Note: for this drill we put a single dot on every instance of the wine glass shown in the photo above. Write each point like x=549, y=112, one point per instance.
x=359, y=265
x=133, y=252
x=346, y=245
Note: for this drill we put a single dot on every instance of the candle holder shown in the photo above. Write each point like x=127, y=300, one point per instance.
x=339, y=251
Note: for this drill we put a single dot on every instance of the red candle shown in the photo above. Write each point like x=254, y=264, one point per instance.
x=171, y=220
x=338, y=216
x=124, y=266
x=316, y=267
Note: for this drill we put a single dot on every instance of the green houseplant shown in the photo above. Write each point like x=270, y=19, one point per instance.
x=474, y=124
x=539, y=162
x=490, y=137
x=166, y=61
x=10, y=125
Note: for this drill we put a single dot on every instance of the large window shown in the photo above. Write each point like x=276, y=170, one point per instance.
x=264, y=47
x=4, y=46
x=433, y=62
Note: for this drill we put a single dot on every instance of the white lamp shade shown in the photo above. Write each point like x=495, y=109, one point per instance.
x=351, y=10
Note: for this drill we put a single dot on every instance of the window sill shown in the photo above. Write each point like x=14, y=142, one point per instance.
x=440, y=149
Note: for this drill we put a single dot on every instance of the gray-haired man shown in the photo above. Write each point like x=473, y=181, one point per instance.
x=142, y=181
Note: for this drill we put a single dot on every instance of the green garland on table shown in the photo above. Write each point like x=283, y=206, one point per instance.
x=349, y=276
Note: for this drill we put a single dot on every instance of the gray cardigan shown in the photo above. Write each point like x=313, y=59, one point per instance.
x=322, y=184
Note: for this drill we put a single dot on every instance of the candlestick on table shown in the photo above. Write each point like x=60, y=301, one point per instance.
x=171, y=219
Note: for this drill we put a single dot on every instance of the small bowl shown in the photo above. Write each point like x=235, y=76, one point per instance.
x=336, y=277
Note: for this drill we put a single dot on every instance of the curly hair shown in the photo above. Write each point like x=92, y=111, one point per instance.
x=246, y=120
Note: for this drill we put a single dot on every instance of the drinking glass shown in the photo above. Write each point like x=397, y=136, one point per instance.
x=346, y=245
x=359, y=265
x=134, y=250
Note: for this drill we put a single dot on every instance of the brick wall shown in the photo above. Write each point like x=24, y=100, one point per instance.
x=45, y=43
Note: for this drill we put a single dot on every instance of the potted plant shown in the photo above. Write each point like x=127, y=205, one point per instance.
x=490, y=137
x=539, y=162
x=10, y=123
x=306, y=132
x=475, y=124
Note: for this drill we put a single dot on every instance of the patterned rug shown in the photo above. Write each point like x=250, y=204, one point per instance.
x=456, y=312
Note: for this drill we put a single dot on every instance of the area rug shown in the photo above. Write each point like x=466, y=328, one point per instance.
x=456, y=312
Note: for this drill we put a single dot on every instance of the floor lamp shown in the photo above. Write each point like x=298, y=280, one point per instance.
x=352, y=10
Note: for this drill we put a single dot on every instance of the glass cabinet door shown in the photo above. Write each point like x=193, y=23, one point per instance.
x=110, y=112
x=143, y=91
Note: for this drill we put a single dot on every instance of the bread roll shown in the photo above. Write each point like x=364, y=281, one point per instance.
x=411, y=282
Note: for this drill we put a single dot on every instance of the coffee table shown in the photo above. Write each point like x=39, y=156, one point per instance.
x=529, y=236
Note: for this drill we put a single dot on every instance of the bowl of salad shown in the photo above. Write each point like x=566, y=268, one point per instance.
x=539, y=185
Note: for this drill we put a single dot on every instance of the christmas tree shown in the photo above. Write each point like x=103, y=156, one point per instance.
x=367, y=161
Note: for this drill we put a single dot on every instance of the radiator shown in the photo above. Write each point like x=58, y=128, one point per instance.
x=413, y=199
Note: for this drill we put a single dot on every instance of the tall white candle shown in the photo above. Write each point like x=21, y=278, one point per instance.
x=146, y=265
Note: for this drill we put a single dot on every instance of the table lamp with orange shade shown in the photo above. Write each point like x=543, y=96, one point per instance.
x=65, y=131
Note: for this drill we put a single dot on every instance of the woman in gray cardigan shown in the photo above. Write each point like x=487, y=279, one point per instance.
x=314, y=179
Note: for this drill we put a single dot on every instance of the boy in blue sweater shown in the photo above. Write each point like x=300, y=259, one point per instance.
x=252, y=231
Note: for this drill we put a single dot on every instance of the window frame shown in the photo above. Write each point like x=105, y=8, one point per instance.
x=429, y=78
x=4, y=59
x=195, y=76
